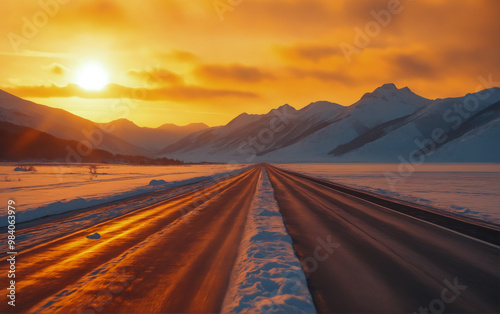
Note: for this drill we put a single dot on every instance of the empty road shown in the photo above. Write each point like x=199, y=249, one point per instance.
x=382, y=261
x=177, y=256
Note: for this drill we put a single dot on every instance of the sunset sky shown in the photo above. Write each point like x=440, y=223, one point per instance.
x=181, y=61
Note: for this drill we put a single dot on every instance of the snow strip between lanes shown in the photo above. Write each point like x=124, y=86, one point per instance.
x=267, y=276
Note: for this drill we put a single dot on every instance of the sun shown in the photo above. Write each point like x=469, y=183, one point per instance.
x=92, y=76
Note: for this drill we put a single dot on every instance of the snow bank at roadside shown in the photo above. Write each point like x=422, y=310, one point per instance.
x=267, y=276
x=79, y=203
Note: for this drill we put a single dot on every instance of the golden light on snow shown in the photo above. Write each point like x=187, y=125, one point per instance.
x=92, y=76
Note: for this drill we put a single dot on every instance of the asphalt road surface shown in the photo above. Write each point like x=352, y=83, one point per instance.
x=152, y=260
x=382, y=261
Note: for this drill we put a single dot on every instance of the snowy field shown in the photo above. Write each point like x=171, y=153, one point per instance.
x=56, y=188
x=471, y=190
x=462, y=189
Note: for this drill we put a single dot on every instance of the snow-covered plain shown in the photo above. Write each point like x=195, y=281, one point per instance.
x=267, y=277
x=57, y=188
x=470, y=190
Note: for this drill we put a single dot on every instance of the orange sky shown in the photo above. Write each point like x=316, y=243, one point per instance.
x=182, y=61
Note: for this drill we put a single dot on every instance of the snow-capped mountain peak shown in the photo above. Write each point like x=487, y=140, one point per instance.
x=320, y=106
x=383, y=104
x=243, y=119
x=387, y=87
x=283, y=108
x=388, y=91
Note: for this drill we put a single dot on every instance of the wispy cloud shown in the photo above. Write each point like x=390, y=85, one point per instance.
x=56, y=68
x=38, y=54
x=176, y=55
x=236, y=73
x=178, y=93
x=309, y=52
x=156, y=76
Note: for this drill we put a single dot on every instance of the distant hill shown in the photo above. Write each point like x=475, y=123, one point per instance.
x=22, y=143
x=189, y=128
x=120, y=136
x=151, y=139
x=61, y=124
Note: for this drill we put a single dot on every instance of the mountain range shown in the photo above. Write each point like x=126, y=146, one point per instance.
x=150, y=138
x=120, y=136
x=386, y=125
x=28, y=144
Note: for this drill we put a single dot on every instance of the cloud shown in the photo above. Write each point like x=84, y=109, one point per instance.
x=287, y=17
x=177, y=55
x=313, y=53
x=178, y=93
x=37, y=54
x=322, y=75
x=414, y=66
x=156, y=76
x=196, y=93
x=232, y=73
x=102, y=15
x=57, y=69
x=360, y=12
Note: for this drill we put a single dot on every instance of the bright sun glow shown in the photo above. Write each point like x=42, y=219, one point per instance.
x=92, y=76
